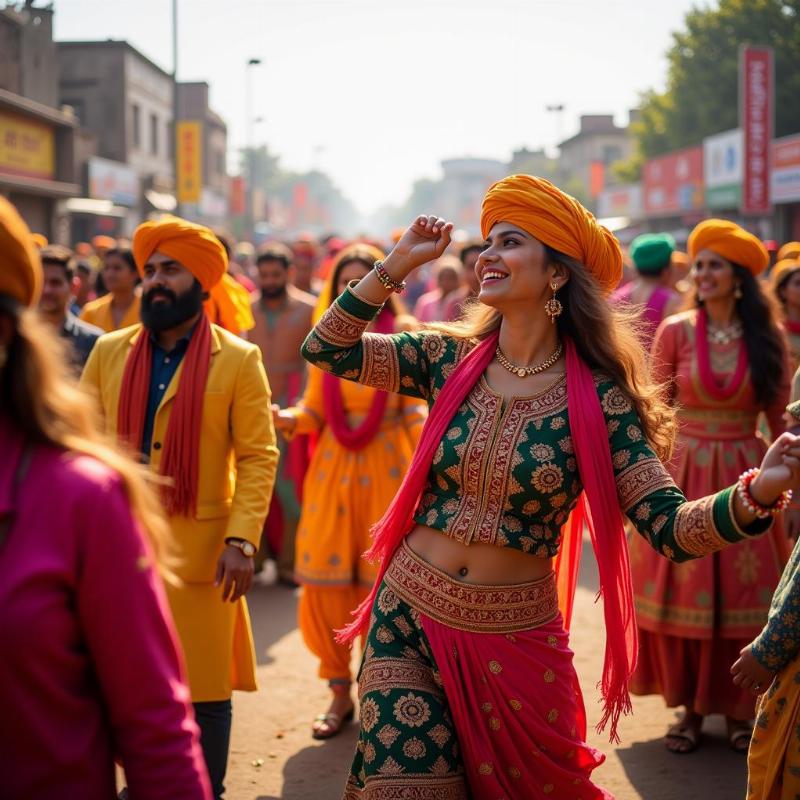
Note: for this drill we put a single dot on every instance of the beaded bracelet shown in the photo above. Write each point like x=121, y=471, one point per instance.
x=388, y=283
x=751, y=504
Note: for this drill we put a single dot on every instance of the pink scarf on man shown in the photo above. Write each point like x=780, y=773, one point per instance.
x=590, y=439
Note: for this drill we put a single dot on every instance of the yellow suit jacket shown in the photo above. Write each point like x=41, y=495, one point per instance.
x=238, y=462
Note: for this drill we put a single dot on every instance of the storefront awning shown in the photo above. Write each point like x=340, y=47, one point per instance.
x=88, y=205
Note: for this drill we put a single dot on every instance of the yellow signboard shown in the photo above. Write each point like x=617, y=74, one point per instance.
x=27, y=147
x=190, y=161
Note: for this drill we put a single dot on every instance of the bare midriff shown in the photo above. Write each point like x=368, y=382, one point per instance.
x=476, y=562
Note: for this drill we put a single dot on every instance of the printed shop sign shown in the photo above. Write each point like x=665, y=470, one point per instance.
x=673, y=183
x=112, y=180
x=621, y=201
x=785, y=175
x=190, y=161
x=27, y=147
x=722, y=168
x=756, y=110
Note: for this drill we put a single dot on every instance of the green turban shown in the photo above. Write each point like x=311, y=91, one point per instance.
x=651, y=252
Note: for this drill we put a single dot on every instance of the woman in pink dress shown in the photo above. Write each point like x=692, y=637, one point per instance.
x=90, y=670
x=725, y=361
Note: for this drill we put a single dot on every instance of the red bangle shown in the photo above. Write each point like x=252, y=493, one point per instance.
x=751, y=504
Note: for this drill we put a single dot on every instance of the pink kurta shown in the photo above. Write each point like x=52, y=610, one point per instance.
x=90, y=669
x=696, y=616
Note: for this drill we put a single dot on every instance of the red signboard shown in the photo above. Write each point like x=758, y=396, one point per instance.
x=237, y=196
x=756, y=104
x=673, y=183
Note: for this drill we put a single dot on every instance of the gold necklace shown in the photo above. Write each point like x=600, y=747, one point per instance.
x=724, y=335
x=524, y=372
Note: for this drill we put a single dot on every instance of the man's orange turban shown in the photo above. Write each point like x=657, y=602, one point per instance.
x=21, y=271
x=789, y=250
x=557, y=220
x=193, y=246
x=730, y=241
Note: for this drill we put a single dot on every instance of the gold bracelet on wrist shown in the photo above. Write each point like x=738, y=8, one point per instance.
x=387, y=281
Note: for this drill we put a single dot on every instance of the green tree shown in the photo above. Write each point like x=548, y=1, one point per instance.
x=702, y=91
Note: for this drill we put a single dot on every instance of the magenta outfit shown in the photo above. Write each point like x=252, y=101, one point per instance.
x=90, y=669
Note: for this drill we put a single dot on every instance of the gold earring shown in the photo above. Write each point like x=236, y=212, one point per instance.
x=553, y=307
x=737, y=292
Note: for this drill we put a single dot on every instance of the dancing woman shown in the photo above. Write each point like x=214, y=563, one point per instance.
x=467, y=686
x=724, y=361
x=366, y=439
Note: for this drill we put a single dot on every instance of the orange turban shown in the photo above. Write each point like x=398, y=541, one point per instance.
x=21, y=271
x=557, y=220
x=103, y=242
x=193, y=246
x=783, y=269
x=40, y=240
x=730, y=241
x=228, y=306
x=789, y=250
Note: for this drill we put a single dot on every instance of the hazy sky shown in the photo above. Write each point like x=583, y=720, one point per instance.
x=378, y=92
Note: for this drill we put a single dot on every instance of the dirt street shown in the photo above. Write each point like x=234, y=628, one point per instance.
x=273, y=755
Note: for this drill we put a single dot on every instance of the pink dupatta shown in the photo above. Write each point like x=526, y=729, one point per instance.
x=590, y=438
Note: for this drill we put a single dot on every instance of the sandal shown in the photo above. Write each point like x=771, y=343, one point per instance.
x=739, y=735
x=334, y=723
x=685, y=732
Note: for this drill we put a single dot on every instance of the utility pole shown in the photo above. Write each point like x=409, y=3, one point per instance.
x=250, y=170
x=175, y=148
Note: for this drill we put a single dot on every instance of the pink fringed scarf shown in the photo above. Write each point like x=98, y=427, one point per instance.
x=590, y=439
x=336, y=414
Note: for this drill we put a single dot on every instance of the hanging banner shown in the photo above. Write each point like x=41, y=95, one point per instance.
x=190, y=161
x=756, y=114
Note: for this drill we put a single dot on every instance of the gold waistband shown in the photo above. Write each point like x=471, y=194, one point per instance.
x=480, y=608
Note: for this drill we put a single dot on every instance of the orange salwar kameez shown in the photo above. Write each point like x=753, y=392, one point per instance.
x=344, y=494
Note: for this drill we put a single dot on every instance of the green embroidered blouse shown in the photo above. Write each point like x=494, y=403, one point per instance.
x=505, y=472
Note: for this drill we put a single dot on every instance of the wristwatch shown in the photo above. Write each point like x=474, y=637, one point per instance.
x=248, y=548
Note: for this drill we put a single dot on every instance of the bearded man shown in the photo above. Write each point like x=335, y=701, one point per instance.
x=193, y=399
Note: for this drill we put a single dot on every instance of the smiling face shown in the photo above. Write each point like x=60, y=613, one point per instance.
x=713, y=276
x=513, y=270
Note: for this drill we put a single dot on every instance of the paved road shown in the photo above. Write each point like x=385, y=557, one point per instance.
x=273, y=755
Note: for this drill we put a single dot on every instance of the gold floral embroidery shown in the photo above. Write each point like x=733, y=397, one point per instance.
x=638, y=480
x=391, y=767
x=543, y=452
x=496, y=667
x=387, y=735
x=494, y=723
x=380, y=363
x=387, y=673
x=549, y=676
x=412, y=710
x=339, y=328
x=515, y=705
x=547, y=478
x=434, y=347
x=388, y=601
x=414, y=748
x=695, y=530
x=370, y=714
x=441, y=784
x=486, y=768
x=552, y=715
x=499, y=609
x=615, y=403
x=439, y=734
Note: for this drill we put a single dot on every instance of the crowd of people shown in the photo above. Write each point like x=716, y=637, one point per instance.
x=200, y=414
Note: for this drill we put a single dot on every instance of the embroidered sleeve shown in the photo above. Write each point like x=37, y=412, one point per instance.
x=677, y=528
x=778, y=644
x=406, y=363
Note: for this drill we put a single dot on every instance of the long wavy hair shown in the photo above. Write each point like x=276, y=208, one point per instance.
x=40, y=398
x=607, y=339
x=764, y=340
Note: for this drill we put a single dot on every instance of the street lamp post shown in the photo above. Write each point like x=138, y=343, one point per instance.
x=249, y=215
